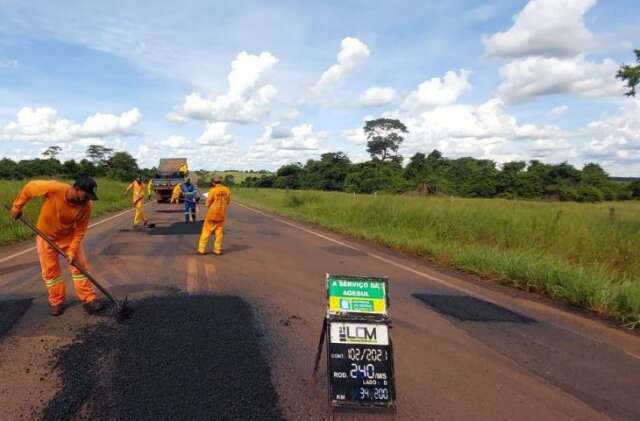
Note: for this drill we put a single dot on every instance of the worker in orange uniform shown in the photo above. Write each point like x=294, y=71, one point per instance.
x=218, y=199
x=137, y=187
x=64, y=218
x=183, y=169
x=149, y=188
x=175, y=193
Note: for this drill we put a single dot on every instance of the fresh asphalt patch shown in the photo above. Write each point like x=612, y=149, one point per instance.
x=11, y=311
x=466, y=308
x=178, y=357
x=583, y=367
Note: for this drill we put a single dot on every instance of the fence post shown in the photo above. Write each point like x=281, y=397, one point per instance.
x=558, y=215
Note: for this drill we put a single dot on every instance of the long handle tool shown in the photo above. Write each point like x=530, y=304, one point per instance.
x=122, y=310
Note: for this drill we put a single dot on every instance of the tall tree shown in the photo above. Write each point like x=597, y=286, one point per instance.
x=630, y=74
x=99, y=154
x=384, y=138
x=52, y=152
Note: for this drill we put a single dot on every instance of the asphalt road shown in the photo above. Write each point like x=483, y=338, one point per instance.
x=464, y=348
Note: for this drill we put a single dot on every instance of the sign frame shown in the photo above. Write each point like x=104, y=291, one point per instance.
x=351, y=403
x=340, y=312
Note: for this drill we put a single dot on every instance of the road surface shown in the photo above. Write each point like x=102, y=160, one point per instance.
x=456, y=357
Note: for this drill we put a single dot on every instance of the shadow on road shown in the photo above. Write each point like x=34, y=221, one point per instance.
x=170, y=211
x=178, y=357
x=11, y=311
x=177, y=228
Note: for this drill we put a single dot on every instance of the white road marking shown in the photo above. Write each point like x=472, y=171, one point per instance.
x=192, y=274
x=210, y=271
x=20, y=253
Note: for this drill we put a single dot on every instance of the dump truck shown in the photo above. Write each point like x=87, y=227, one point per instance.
x=167, y=176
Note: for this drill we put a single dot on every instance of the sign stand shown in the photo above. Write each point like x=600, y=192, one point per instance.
x=359, y=348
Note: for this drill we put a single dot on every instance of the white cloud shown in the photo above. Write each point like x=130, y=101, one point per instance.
x=175, y=141
x=42, y=125
x=377, y=96
x=9, y=64
x=249, y=99
x=278, y=146
x=291, y=114
x=439, y=91
x=100, y=125
x=615, y=139
x=546, y=28
x=559, y=110
x=215, y=135
x=536, y=76
x=356, y=136
x=352, y=53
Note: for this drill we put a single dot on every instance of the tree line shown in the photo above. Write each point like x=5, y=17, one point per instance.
x=437, y=174
x=100, y=161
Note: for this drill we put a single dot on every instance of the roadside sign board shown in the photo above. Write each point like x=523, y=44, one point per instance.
x=357, y=295
x=360, y=364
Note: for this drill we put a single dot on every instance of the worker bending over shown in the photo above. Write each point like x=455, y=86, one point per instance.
x=175, y=194
x=137, y=188
x=218, y=200
x=64, y=218
x=189, y=200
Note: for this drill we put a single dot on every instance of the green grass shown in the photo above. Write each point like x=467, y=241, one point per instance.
x=573, y=252
x=109, y=192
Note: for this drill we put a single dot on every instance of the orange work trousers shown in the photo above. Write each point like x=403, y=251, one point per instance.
x=209, y=227
x=52, y=276
x=139, y=215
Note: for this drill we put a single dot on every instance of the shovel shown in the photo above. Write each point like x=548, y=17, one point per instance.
x=122, y=310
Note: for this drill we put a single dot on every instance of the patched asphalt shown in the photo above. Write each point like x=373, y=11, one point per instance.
x=178, y=357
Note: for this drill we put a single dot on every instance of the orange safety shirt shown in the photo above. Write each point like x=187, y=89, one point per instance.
x=218, y=200
x=59, y=219
x=138, y=191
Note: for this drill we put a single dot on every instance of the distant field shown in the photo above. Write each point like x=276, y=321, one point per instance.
x=578, y=253
x=109, y=192
x=238, y=176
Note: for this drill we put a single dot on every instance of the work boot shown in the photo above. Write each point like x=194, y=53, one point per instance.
x=93, y=307
x=56, y=309
x=217, y=252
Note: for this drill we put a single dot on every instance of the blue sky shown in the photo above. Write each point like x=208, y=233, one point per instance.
x=255, y=84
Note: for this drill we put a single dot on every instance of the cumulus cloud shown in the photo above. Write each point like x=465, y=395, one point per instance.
x=559, y=110
x=356, y=136
x=9, y=64
x=377, y=96
x=278, y=145
x=249, y=99
x=43, y=125
x=175, y=141
x=615, y=138
x=291, y=114
x=439, y=91
x=536, y=76
x=215, y=135
x=545, y=28
x=352, y=53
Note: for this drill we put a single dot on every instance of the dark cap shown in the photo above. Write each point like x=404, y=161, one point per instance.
x=87, y=185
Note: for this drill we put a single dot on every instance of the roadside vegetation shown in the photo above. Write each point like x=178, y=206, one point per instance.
x=587, y=255
x=109, y=192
